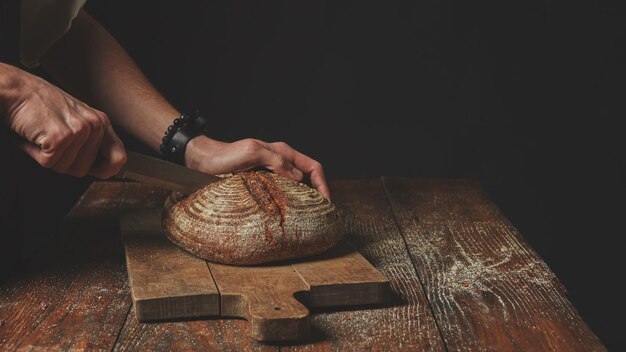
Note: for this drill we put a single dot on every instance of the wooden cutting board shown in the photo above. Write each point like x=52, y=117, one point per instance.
x=168, y=283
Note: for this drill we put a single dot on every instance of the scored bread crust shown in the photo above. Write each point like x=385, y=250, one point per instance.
x=252, y=218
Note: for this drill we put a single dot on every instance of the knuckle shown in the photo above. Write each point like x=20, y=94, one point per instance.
x=83, y=126
x=96, y=121
x=282, y=145
x=281, y=160
x=104, y=118
x=250, y=145
x=102, y=115
x=59, y=139
x=251, y=141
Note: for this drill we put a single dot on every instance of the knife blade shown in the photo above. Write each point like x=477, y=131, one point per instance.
x=161, y=173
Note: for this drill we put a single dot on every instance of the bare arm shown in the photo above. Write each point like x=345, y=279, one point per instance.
x=90, y=62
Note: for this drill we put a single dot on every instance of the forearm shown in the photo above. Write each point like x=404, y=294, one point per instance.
x=90, y=63
x=94, y=67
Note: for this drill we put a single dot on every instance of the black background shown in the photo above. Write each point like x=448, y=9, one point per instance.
x=524, y=96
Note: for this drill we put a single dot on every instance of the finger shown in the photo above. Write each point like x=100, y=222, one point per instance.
x=312, y=168
x=112, y=156
x=89, y=152
x=279, y=164
x=318, y=181
x=35, y=152
x=45, y=149
x=70, y=153
x=289, y=153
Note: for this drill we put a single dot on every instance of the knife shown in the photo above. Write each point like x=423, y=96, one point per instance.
x=161, y=173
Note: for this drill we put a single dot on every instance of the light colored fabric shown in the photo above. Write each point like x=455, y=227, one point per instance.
x=43, y=23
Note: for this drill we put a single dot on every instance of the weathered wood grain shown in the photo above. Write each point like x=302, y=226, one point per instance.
x=266, y=297
x=199, y=335
x=487, y=288
x=342, y=277
x=166, y=282
x=405, y=325
x=76, y=296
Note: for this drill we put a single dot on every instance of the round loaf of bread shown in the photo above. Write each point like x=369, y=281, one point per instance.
x=252, y=218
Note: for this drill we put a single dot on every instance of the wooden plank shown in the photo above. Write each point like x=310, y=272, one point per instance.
x=405, y=324
x=266, y=297
x=489, y=290
x=342, y=277
x=199, y=335
x=166, y=282
x=75, y=297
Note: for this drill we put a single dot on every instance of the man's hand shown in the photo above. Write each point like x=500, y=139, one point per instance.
x=90, y=61
x=216, y=157
x=57, y=130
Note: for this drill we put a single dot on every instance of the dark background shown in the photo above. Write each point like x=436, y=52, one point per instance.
x=524, y=96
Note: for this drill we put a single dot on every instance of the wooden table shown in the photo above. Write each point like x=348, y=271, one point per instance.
x=463, y=278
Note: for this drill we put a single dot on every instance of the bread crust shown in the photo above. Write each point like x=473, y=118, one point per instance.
x=252, y=218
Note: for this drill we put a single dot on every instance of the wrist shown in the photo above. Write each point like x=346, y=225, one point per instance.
x=160, y=125
x=200, y=150
x=9, y=85
x=176, y=139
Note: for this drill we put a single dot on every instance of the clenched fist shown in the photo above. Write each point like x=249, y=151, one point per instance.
x=57, y=130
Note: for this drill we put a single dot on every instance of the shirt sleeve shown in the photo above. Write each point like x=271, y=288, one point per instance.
x=43, y=22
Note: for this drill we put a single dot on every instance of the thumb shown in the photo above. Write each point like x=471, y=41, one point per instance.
x=31, y=149
x=43, y=158
x=112, y=156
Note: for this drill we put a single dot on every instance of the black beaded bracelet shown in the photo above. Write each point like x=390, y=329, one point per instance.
x=178, y=135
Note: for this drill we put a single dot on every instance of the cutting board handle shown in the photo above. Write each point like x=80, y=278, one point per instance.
x=274, y=314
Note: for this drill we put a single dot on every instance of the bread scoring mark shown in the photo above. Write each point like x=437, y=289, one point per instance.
x=277, y=195
x=268, y=201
